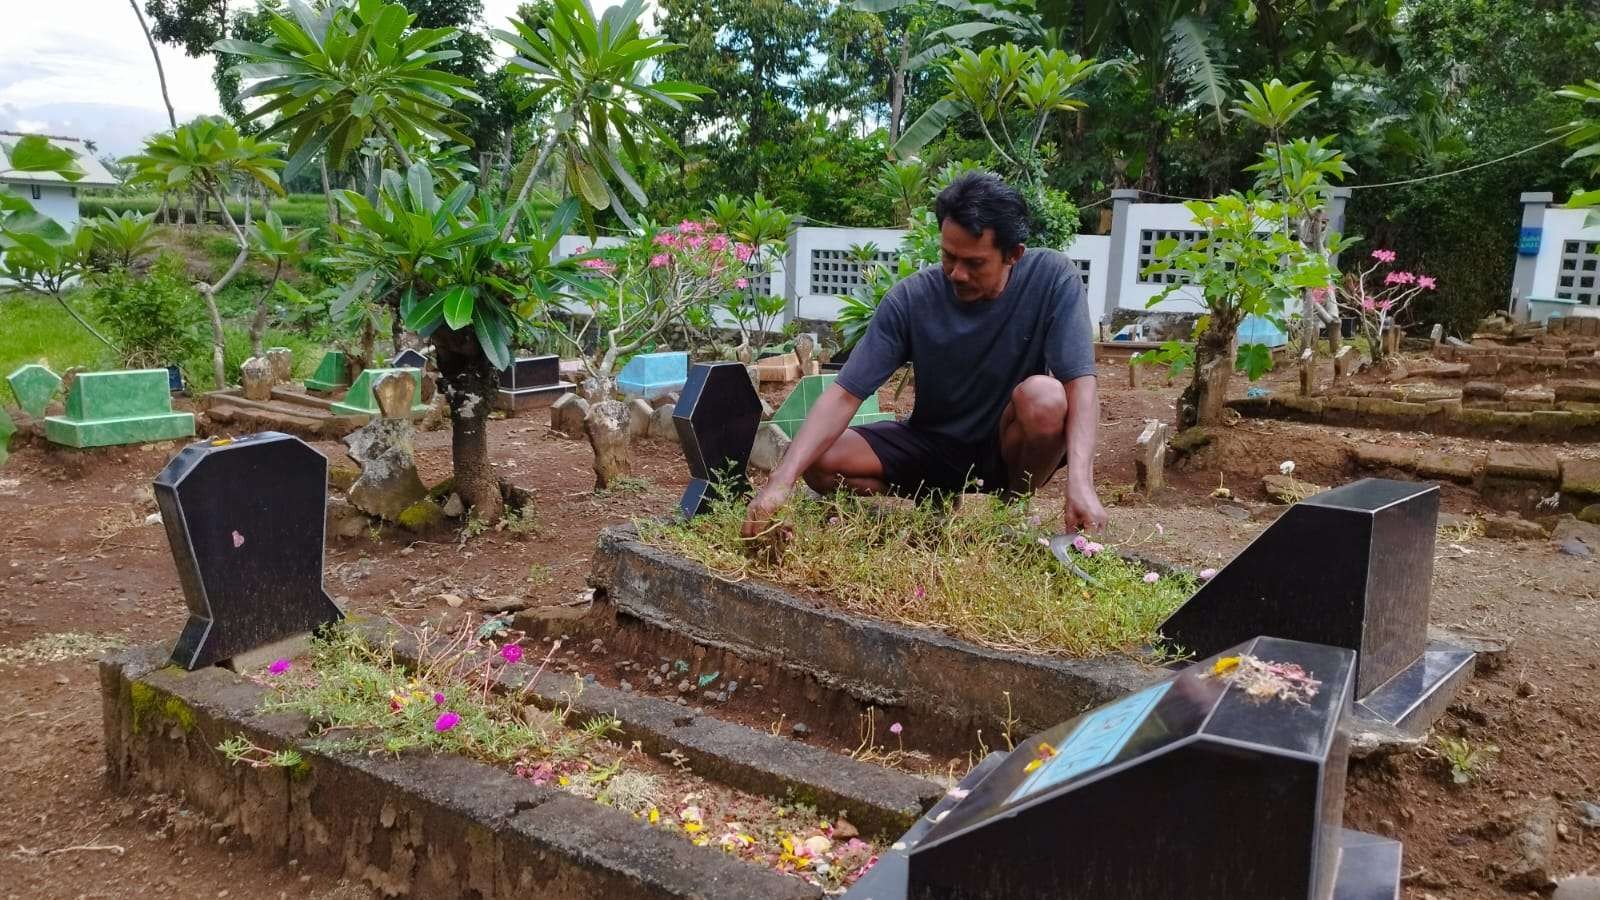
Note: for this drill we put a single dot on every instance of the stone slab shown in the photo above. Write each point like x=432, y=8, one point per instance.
x=1449, y=466
x=1580, y=477
x=1523, y=463
x=1384, y=456
x=114, y=432
x=651, y=375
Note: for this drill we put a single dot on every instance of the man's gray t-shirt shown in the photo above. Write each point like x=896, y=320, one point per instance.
x=969, y=356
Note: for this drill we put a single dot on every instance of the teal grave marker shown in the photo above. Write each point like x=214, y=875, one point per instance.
x=654, y=375
x=804, y=396
x=360, y=401
x=106, y=409
x=330, y=374
x=7, y=429
x=34, y=386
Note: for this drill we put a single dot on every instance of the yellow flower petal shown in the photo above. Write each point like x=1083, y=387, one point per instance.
x=563, y=780
x=693, y=827
x=1225, y=665
x=655, y=815
x=1033, y=764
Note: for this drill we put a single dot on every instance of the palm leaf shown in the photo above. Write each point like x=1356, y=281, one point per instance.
x=1195, y=63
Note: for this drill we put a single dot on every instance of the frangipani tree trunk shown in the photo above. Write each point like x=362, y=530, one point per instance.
x=469, y=384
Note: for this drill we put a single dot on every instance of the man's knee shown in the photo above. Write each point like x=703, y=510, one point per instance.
x=1041, y=406
x=822, y=479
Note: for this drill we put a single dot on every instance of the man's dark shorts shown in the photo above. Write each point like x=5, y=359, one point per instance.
x=920, y=461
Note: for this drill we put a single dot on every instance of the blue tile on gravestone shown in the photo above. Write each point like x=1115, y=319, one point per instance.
x=717, y=416
x=174, y=379
x=1195, y=787
x=409, y=359
x=245, y=520
x=1350, y=567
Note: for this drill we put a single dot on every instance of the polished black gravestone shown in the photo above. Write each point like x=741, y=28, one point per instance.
x=717, y=416
x=409, y=359
x=531, y=382
x=1193, y=787
x=1350, y=567
x=245, y=519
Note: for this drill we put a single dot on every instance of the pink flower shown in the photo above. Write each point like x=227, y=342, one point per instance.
x=718, y=243
x=1392, y=278
x=438, y=699
x=1151, y=578
x=446, y=722
x=666, y=239
x=918, y=593
x=511, y=653
x=278, y=667
x=1320, y=293
x=1427, y=283
x=1367, y=305
x=689, y=226
x=1092, y=548
x=580, y=250
x=659, y=261
x=741, y=283
x=598, y=264
x=694, y=242
x=895, y=729
x=1386, y=256
x=1404, y=277
x=744, y=252
x=1080, y=543
x=1207, y=574
x=1385, y=303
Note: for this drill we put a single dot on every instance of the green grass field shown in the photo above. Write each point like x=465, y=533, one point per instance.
x=34, y=329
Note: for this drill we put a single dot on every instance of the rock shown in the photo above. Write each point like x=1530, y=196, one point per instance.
x=385, y=451
x=454, y=507
x=1439, y=464
x=1534, y=842
x=1150, y=458
x=1575, y=547
x=1569, y=530
x=422, y=516
x=1492, y=650
x=1512, y=528
x=256, y=376
x=640, y=412
x=1383, y=456
x=661, y=426
x=1484, y=390
x=453, y=601
x=685, y=686
x=1580, y=477
x=1344, y=363
x=345, y=520
x=1590, y=514
x=1287, y=489
x=393, y=393
x=1523, y=463
x=626, y=687
x=805, y=344
x=770, y=445
x=1577, y=887
x=1588, y=814
x=800, y=728
x=1235, y=512
x=281, y=359
x=607, y=428
x=567, y=415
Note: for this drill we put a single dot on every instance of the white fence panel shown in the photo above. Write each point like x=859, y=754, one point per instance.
x=1091, y=253
x=1568, y=266
x=824, y=271
x=1149, y=223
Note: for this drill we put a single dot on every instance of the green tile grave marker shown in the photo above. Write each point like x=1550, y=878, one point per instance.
x=360, y=401
x=330, y=374
x=34, y=386
x=804, y=396
x=7, y=429
x=122, y=407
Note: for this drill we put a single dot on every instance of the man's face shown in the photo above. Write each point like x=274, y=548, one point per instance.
x=975, y=266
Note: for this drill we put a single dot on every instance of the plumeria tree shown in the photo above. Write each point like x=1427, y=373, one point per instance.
x=1583, y=135
x=1379, y=294
x=204, y=156
x=280, y=243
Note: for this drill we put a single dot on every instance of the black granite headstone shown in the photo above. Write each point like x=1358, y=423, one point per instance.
x=530, y=382
x=1350, y=567
x=717, y=416
x=174, y=380
x=409, y=359
x=245, y=519
x=1196, y=787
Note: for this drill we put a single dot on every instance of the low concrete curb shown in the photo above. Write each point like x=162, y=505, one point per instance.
x=418, y=826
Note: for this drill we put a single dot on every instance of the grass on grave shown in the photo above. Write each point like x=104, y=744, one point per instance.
x=362, y=698
x=982, y=572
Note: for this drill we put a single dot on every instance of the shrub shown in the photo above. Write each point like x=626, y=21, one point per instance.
x=154, y=318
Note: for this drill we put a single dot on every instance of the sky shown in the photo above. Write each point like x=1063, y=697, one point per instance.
x=81, y=68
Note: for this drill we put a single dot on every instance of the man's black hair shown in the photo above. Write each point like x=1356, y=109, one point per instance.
x=978, y=201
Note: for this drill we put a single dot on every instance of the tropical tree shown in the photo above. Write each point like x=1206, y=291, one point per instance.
x=594, y=77
x=204, y=157
x=1584, y=136
x=272, y=240
x=355, y=69
x=36, y=253
x=119, y=239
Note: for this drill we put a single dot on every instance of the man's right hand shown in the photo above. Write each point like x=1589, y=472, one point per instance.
x=758, y=518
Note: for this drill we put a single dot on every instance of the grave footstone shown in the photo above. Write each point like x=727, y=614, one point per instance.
x=532, y=382
x=257, y=379
x=805, y=348
x=567, y=415
x=1372, y=546
x=651, y=375
x=331, y=375
x=360, y=400
x=1224, y=781
x=1343, y=363
x=1150, y=459
x=1308, y=373
x=716, y=421
x=770, y=445
x=282, y=361
x=175, y=380
x=385, y=450
x=123, y=407
x=792, y=413
x=245, y=519
x=34, y=386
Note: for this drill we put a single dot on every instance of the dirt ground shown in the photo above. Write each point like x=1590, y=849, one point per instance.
x=77, y=557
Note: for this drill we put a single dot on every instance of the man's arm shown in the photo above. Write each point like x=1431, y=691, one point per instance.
x=828, y=419
x=1083, y=509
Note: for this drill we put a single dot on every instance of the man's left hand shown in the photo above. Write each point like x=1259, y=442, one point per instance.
x=1083, y=510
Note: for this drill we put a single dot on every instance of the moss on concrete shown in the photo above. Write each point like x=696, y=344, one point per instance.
x=421, y=516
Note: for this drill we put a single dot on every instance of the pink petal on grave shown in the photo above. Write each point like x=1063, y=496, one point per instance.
x=238, y=540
